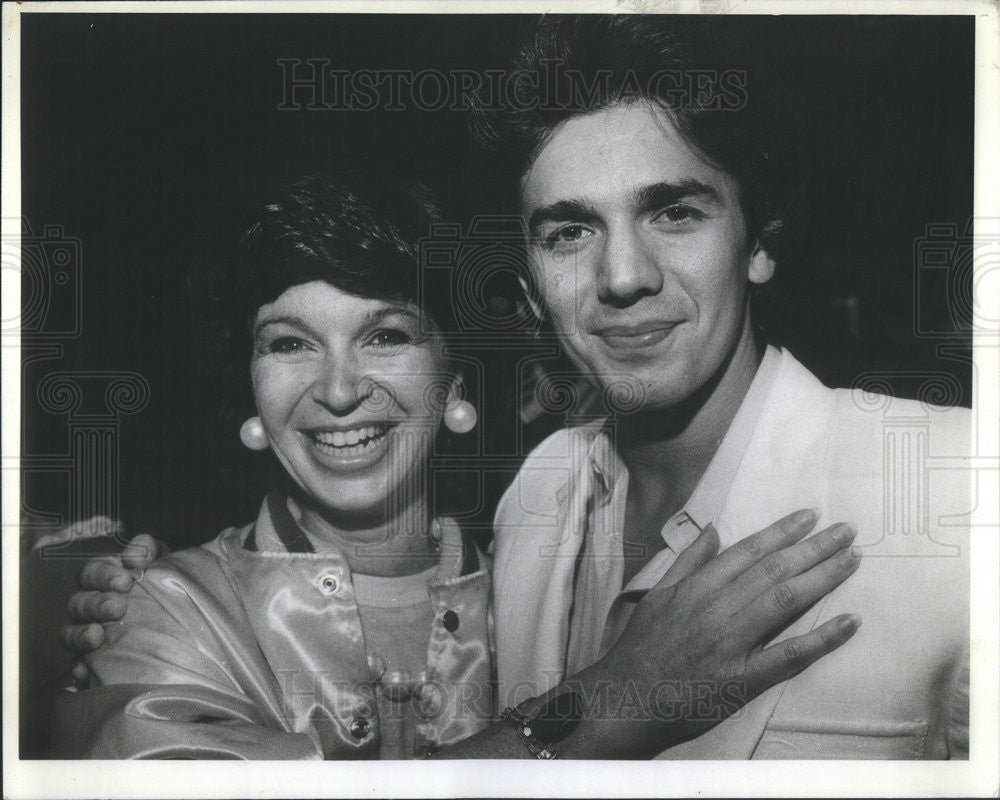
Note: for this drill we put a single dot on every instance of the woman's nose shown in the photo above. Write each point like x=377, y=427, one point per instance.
x=627, y=271
x=341, y=384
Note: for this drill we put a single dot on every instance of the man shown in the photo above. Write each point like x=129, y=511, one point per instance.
x=653, y=213
x=651, y=222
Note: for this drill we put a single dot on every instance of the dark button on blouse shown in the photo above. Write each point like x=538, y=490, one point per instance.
x=450, y=621
x=360, y=727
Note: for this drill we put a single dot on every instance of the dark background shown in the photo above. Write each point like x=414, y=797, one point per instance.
x=148, y=137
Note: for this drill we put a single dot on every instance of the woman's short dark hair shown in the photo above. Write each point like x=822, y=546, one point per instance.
x=700, y=71
x=358, y=232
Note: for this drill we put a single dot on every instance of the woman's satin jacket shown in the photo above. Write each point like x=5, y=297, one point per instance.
x=251, y=647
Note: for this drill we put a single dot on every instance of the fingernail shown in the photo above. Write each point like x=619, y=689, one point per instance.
x=845, y=532
x=849, y=622
x=805, y=517
x=107, y=607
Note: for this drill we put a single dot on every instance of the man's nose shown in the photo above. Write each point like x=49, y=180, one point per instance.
x=627, y=271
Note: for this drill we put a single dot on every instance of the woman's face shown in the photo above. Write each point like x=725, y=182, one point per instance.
x=351, y=392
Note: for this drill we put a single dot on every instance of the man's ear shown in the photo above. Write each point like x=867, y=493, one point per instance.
x=762, y=266
x=529, y=295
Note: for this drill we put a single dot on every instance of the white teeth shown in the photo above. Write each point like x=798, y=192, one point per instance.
x=350, y=438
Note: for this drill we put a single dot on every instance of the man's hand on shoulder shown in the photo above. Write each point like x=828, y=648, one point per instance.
x=704, y=627
x=105, y=583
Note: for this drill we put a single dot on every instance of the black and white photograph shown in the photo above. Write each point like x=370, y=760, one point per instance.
x=462, y=387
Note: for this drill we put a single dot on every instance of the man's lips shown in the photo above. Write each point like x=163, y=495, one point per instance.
x=632, y=337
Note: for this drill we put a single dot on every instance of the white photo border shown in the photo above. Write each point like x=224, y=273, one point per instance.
x=980, y=776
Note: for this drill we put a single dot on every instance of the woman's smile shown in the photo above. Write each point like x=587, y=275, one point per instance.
x=352, y=447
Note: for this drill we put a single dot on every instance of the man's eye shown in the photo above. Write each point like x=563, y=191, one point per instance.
x=679, y=213
x=568, y=233
x=390, y=337
x=286, y=345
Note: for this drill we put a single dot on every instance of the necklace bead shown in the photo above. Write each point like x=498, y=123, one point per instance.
x=397, y=685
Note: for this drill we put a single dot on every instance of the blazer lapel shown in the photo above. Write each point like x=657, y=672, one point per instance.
x=783, y=470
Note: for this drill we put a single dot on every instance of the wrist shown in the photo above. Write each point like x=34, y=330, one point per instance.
x=525, y=728
x=619, y=718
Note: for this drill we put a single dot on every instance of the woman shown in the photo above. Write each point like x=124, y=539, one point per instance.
x=346, y=620
x=350, y=620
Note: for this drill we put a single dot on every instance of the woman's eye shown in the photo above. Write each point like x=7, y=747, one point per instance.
x=390, y=337
x=286, y=345
x=568, y=234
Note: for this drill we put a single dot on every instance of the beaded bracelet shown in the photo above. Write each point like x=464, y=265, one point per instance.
x=522, y=725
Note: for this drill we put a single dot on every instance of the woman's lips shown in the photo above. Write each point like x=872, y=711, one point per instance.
x=350, y=436
x=351, y=446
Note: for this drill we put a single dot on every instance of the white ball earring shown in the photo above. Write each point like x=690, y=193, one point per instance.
x=460, y=416
x=252, y=434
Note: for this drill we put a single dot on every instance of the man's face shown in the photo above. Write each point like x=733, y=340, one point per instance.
x=639, y=249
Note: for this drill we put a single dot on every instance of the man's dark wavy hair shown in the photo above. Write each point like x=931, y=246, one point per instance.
x=706, y=75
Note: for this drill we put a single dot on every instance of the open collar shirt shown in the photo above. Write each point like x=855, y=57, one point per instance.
x=602, y=605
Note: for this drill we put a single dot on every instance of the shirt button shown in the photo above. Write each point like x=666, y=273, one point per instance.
x=360, y=727
x=328, y=584
x=450, y=621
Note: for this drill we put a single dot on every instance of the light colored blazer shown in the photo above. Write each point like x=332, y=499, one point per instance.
x=898, y=470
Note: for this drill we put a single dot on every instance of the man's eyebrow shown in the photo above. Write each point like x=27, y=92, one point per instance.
x=645, y=198
x=660, y=194
x=562, y=211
